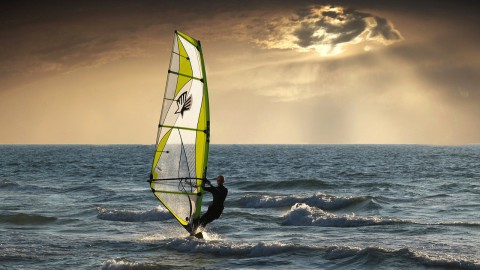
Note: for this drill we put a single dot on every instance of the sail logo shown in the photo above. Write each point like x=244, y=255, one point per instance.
x=184, y=103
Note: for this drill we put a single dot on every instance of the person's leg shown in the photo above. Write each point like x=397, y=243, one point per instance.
x=206, y=218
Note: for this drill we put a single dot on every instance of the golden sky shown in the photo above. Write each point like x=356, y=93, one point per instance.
x=309, y=72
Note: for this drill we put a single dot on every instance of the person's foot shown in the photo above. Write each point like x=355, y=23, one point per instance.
x=199, y=235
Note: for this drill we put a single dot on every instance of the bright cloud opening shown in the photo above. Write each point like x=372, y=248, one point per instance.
x=329, y=30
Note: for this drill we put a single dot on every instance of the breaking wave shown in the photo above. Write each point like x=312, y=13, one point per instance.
x=320, y=200
x=156, y=214
x=126, y=264
x=234, y=249
x=304, y=215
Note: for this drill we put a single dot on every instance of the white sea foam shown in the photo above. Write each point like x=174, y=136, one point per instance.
x=119, y=264
x=320, y=200
x=304, y=215
x=125, y=264
x=233, y=249
x=155, y=214
x=177, y=232
x=152, y=237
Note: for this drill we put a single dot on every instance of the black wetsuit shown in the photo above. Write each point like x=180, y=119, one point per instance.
x=216, y=208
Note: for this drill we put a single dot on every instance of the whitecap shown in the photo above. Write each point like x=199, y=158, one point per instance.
x=320, y=200
x=125, y=264
x=304, y=215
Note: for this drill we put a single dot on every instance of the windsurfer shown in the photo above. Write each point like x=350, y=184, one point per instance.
x=215, y=209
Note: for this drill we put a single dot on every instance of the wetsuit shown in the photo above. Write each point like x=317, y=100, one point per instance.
x=216, y=208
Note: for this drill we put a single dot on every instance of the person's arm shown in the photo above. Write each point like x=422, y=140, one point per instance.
x=210, y=189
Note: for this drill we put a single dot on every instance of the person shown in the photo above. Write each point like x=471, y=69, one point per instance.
x=216, y=208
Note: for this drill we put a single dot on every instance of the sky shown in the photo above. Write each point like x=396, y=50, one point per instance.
x=279, y=72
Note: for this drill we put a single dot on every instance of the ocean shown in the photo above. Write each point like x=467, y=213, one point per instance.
x=289, y=207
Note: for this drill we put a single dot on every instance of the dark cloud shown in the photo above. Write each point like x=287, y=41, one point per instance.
x=349, y=31
x=330, y=25
x=58, y=36
x=384, y=29
x=331, y=14
x=43, y=38
x=305, y=35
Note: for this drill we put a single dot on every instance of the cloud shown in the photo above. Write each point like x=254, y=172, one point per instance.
x=327, y=30
x=53, y=37
x=384, y=30
x=40, y=40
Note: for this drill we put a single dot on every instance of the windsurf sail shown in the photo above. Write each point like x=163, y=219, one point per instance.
x=181, y=155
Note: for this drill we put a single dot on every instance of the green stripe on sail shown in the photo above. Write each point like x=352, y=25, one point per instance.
x=158, y=154
x=185, y=67
x=203, y=139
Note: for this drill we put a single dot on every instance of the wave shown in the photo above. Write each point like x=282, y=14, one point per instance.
x=303, y=215
x=29, y=188
x=309, y=184
x=156, y=214
x=441, y=195
x=371, y=255
x=262, y=249
x=125, y=264
x=264, y=217
x=419, y=257
x=320, y=200
x=26, y=219
x=470, y=224
x=234, y=249
x=5, y=183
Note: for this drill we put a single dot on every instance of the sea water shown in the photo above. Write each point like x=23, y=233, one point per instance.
x=289, y=207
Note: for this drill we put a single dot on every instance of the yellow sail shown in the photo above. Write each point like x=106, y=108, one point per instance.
x=181, y=155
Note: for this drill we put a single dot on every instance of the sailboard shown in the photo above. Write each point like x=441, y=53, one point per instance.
x=181, y=154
